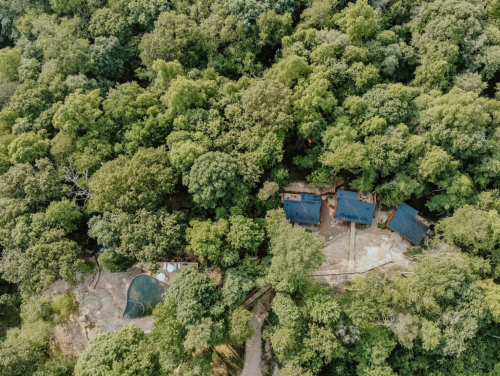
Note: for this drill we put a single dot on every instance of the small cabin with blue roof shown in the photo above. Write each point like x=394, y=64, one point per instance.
x=350, y=208
x=405, y=221
x=306, y=209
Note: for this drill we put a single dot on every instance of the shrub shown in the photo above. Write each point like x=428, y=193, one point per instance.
x=115, y=262
x=35, y=309
x=63, y=305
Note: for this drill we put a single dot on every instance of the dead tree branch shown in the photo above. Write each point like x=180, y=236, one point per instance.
x=71, y=176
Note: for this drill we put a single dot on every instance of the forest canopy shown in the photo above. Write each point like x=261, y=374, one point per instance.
x=135, y=130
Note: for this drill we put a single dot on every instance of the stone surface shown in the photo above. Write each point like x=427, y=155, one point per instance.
x=373, y=247
x=102, y=298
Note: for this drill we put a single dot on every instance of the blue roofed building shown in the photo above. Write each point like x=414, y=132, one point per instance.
x=305, y=208
x=350, y=208
x=405, y=221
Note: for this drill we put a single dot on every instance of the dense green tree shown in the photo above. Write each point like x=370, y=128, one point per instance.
x=142, y=181
x=212, y=178
x=10, y=59
x=237, y=285
x=57, y=366
x=115, y=262
x=174, y=37
x=223, y=242
x=125, y=352
x=62, y=7
x=143, y=12
x=80, y=112
x=128, y=103
x=268, y=104
x=105, y=23
x=65, y=213
x=142, y=235
x=249, y=11
x=239, y=328
x=107, y=57
x=38, y=254
x=359, y=21
x=28, y=147
x=23, y=349
x=206, y=241
x=244, y=234
x=35, y=185
x=106, y=104
x=186, y=148
x=296, y=254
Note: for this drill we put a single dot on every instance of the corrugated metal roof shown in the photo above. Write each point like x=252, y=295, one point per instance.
x=405, y=224
x=305, y=211
x=354, y=211
x=310, y=198
x=408, y=209
x=347, y=194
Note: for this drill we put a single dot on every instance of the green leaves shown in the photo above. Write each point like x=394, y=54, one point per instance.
x=107, y=57
x=174, y=37
x=9, y=63
x=205, y=239
x=38, y=254
x=129, y=184
x=211, y=179
x=222, y=244
x=125, y=352
x=28, y=147
x=239, y=328
x=241, y=91
x=142, y=235
x=359, y=21
x=478, y=230
x=296, y=253
x=65, y=213
x=79, y=112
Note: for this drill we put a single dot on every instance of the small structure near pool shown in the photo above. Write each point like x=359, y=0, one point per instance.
x=407, y=223
x=353, y=207
x=143, y=294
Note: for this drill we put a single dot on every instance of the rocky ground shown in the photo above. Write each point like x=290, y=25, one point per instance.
x=102, y=298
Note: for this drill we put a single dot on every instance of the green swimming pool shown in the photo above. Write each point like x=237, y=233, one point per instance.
x=143, y=294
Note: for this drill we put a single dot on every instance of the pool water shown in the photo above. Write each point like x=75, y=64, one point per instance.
x=143, y=294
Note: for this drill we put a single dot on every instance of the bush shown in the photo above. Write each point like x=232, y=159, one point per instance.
x=87, y=267
x=114, y=262
x=63, y=305
x=35, y=309
x=58, y=365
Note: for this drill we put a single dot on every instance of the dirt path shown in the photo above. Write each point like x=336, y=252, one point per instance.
x=253, y=346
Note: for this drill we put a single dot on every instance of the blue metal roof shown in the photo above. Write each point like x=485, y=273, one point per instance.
x=305, y=211
x=354, y=210
x=408, y=209
x=310, y=198
x=347, y=194
x=406, y=225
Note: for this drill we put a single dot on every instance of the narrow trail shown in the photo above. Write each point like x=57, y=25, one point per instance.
x=253, y=346
x=253, y=351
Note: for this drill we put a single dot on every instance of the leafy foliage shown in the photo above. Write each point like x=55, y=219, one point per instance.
x=118, y=352
x=164, y=128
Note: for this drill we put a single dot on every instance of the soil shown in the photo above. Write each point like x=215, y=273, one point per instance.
x=330, y=228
